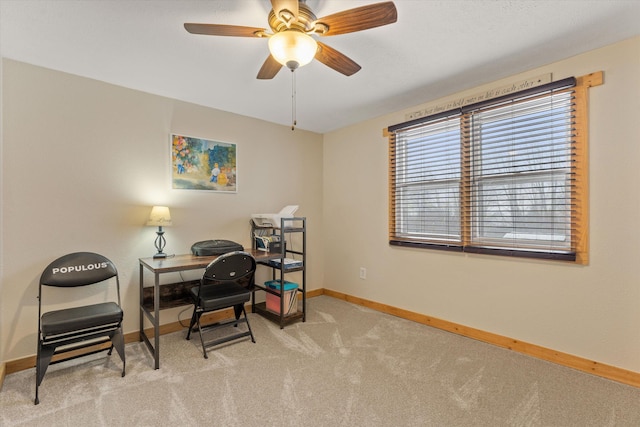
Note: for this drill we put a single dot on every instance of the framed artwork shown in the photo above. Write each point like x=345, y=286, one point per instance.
x=203, y=164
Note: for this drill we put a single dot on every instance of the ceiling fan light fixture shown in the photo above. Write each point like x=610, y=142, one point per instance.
x=292, y=48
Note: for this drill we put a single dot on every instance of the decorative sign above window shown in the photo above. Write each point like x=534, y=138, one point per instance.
x=482, y=96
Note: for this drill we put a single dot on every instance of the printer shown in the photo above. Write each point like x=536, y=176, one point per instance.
x=273, y=220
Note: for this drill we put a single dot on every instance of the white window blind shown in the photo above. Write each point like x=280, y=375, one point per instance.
x=427, y=179
x=520, y=186
x=498, y=177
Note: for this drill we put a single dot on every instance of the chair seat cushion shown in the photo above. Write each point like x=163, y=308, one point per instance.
x=216, y=296
x=78, y=318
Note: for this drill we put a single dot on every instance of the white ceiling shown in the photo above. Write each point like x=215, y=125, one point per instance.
x=437, y=47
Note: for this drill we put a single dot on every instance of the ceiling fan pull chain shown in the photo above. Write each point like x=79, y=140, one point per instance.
x=293, y=100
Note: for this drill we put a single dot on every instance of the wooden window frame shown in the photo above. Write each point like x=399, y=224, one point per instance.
x=580, y=189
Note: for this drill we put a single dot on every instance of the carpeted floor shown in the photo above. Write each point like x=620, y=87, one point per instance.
x=346, y=366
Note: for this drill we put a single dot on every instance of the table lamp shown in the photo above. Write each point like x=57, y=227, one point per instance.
x=160, y=217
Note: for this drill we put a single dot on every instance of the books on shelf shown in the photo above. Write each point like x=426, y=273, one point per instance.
x=268, y=243
x=288, y=263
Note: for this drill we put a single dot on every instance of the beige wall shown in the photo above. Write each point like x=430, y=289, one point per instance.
x=84, y=161
x=589, y=311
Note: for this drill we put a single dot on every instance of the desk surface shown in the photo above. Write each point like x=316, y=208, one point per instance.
x=192, y=262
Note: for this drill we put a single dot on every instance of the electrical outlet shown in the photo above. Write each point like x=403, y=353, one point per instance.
x=363, y=273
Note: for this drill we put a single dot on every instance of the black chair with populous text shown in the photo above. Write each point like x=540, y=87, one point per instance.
x=226, y=283
x=78, y=325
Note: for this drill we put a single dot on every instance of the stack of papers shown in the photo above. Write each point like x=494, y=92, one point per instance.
x=288, y=263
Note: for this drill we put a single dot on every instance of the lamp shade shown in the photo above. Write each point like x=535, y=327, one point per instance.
x=160, y=216
x=292, y=48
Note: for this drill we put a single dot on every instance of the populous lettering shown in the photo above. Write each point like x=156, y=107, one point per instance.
x=78, y=268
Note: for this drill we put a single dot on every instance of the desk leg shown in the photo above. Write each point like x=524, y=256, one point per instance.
x=153, y=318
x=141, y=303
x=156, y=319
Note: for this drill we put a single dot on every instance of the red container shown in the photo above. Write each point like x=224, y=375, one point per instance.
x=290, y=297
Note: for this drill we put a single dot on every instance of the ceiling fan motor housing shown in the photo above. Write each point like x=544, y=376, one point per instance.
x=305, y=21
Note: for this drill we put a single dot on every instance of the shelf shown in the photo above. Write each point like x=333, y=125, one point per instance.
x=285, y=270
x=286, y=229
x=171, y=295
x=261, y=308
x=293, y=230
x=296, y=225
x=267, y=256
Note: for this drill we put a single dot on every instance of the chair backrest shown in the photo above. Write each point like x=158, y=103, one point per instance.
x=233, y=267
x=79, y=269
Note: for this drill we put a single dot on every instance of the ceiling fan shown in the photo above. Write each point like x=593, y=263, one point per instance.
x=292, y=26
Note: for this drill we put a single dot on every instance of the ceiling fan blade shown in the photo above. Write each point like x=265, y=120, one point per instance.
x=336, y=60
x=360, y=18
x=223, y=30
x=269, y=69
x=286, y=10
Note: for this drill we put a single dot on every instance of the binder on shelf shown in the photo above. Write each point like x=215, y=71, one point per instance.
x=268, y=243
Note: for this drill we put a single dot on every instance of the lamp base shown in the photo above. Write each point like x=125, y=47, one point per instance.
x=160, y=243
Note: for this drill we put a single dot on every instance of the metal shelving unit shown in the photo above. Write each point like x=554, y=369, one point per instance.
x=288, y=228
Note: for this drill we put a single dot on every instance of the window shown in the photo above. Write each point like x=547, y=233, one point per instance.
x=428, y=182
x=506, y=176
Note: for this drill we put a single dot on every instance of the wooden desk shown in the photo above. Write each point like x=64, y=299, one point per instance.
x=171, y=264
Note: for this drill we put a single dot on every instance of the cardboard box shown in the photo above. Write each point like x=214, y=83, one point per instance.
x=290, y=297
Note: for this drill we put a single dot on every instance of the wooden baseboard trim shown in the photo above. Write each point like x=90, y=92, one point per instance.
x=168, y=328
x=592, y=367
x=30, y=361
x=3, y=370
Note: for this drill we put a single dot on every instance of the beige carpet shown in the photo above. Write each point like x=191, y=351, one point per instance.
x=346, y=366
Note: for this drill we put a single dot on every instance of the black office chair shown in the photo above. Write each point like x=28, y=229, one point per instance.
x=79, y=326
x=226, y=283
